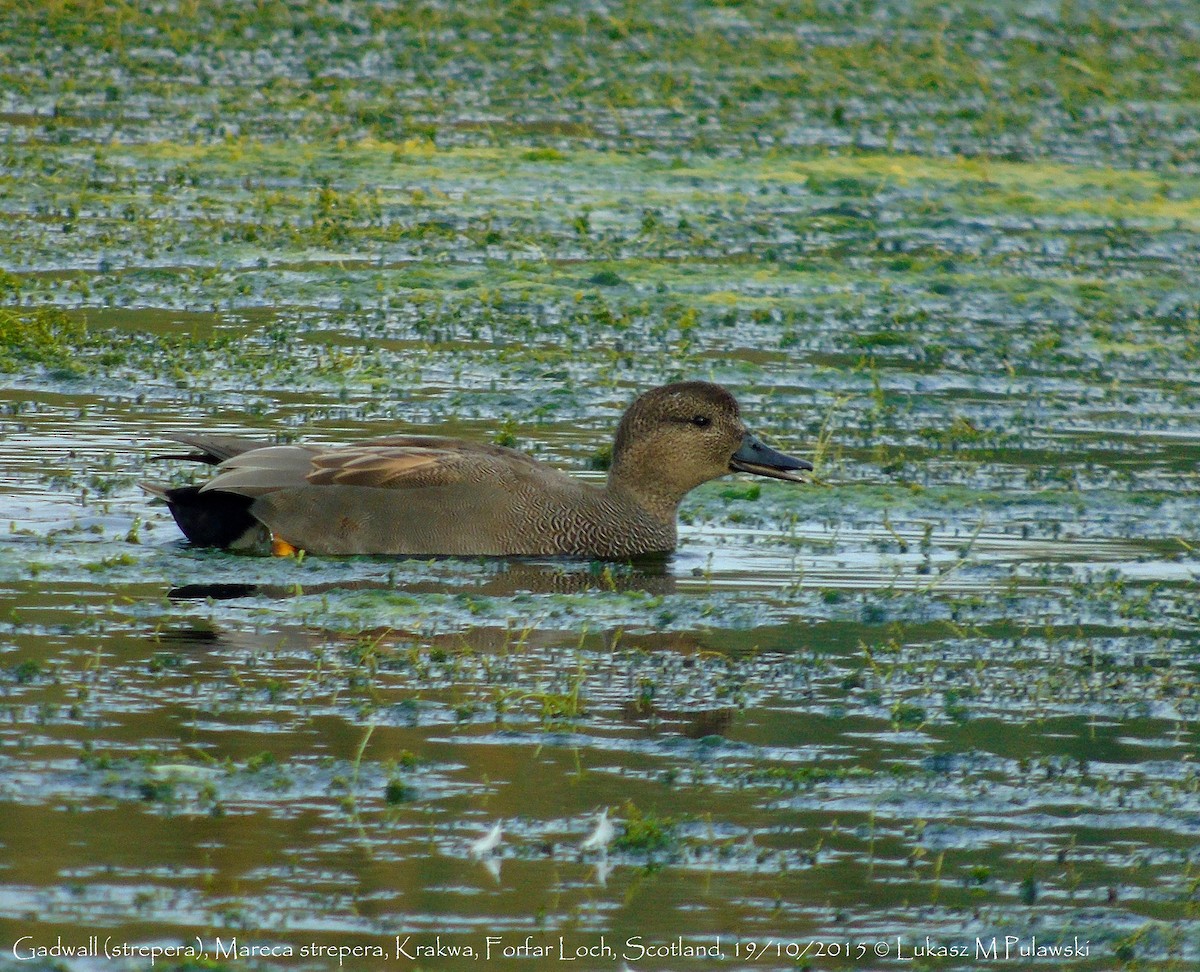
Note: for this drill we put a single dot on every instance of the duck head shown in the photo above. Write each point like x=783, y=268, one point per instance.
x=675, y=437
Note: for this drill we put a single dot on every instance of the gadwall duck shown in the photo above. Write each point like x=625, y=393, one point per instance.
x=429, y=495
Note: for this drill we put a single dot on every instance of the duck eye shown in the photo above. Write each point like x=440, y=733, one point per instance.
x=701, y=421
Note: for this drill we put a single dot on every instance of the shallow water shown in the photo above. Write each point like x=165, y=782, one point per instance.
x=945, y=694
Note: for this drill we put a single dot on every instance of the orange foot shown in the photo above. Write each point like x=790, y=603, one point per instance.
x=281, y=548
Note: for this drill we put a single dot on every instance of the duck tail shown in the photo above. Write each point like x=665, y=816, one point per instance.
x=211, y=449
x=210, y=519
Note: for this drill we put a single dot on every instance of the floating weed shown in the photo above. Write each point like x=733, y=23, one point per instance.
x=27, y=671
x=108, y=563
x=907, y=716
x=793, y=777
x=47, y=336
x=398, y=791
x=744, y=491
x=259, y=762
x=156, y=791
x=646, y=832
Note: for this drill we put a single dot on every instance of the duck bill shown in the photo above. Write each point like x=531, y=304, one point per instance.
x=762, y=460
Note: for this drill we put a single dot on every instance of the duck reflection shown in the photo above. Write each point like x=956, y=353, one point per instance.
x=651, y=575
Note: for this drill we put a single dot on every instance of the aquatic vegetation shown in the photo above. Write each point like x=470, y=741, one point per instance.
x=645, y=832
x=47, y=337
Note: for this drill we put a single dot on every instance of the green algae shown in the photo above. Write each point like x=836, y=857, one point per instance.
x=47, y=337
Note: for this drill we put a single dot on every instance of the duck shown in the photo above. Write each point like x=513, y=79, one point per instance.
x=423, y=495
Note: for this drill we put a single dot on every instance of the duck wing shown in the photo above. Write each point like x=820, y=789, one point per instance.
x=397, y=462
x=396, y=467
